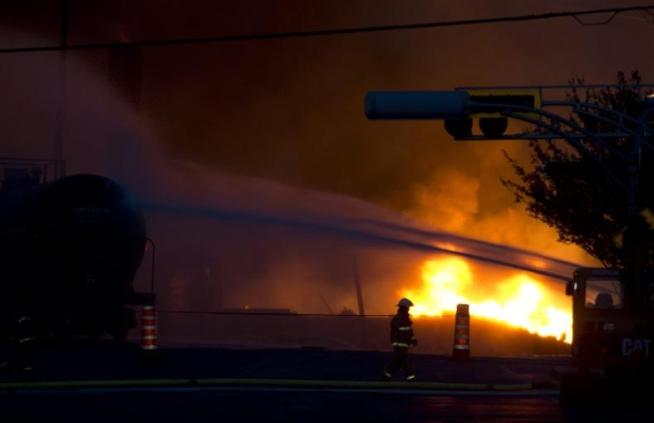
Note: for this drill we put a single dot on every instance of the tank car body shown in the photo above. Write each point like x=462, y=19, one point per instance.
x=69, y=252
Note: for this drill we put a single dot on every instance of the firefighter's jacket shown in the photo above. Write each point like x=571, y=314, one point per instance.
x=401, y=331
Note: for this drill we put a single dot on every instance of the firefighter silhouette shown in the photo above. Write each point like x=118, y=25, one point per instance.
x=402, y=338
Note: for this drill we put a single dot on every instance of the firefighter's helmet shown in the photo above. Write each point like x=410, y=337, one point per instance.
x=405, y=302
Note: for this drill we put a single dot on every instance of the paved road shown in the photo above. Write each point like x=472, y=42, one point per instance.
x=198, y=402
x=89, y=362
x=204, y=404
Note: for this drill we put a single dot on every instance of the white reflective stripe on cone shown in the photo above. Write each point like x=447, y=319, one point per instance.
x=149, y=347
x=461, y=347
x=399, y=344
x=404, y=328
x=146, y=337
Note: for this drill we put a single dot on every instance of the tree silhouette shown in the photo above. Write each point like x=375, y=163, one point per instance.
x=581, y=189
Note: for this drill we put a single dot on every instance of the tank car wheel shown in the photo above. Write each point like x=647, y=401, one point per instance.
x=120, y=324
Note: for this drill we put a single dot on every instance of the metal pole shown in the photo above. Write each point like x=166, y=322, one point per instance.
x=152, y=265
x=59, y=170
x=635, y=158
x=357, y=283
x=634, y=236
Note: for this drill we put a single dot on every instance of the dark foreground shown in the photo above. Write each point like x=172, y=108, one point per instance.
x=118, y=384
x=84, y=362
x=292, y=405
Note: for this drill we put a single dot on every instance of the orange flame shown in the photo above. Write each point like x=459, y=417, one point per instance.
x=516, y=301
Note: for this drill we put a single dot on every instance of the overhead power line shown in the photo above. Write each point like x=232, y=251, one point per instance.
x=577, y=15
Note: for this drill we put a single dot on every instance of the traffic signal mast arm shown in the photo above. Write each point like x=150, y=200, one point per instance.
x=486, y=103
x=493, y=105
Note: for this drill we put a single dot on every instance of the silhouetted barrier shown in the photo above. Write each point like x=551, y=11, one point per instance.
x=461, y=350
x=149, y=338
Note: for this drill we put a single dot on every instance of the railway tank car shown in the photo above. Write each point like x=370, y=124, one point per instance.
x=69, y=253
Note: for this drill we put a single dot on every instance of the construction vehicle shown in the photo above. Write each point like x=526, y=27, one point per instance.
x=613, y=337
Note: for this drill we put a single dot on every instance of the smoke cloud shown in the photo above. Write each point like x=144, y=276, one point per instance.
x=261, y=174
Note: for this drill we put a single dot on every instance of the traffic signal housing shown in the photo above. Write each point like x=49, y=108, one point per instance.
x=489, y=105
x=457, y=108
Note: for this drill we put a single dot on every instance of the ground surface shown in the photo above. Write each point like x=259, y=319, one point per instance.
x=86, y=362
x=192, y=384
x=280, y=405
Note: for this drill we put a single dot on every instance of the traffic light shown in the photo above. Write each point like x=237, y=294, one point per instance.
x=493, y=127
x=459, y=128
x=457, y=108
x=487, y=99
x=489, y=104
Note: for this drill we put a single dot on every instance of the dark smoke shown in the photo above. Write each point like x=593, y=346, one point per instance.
x=291, y=112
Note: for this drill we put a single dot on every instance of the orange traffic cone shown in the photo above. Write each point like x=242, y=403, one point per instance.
x=461, y=349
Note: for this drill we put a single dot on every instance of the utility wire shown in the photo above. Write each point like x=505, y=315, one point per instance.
x=604, y=22
x=640, y=17
x=339, y=31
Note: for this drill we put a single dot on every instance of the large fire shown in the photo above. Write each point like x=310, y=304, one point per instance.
x=518, y=300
